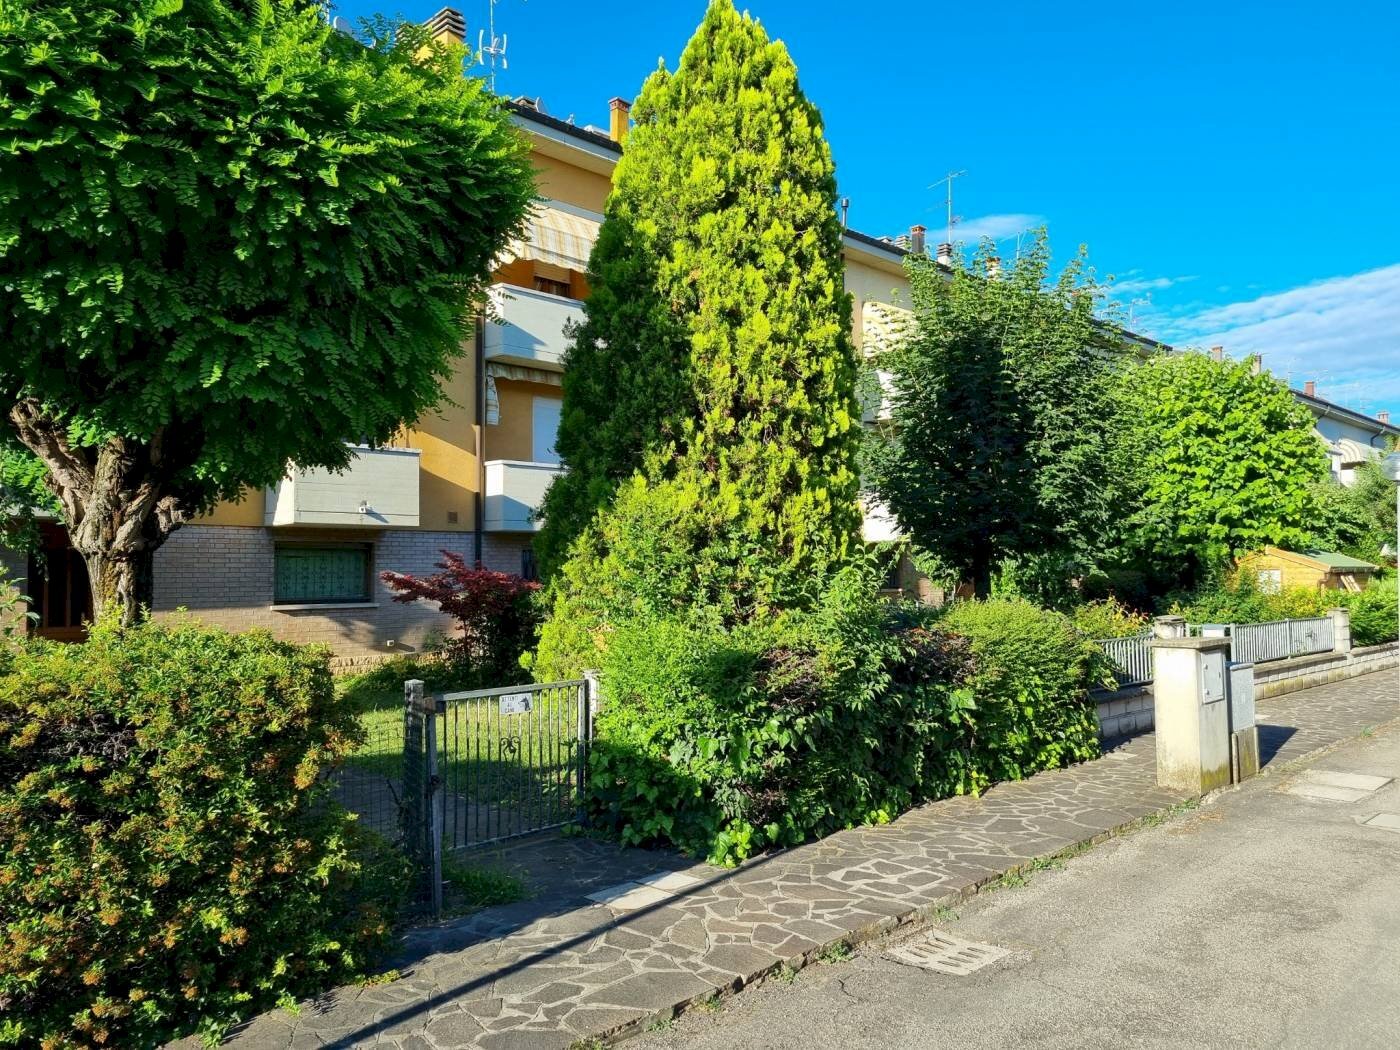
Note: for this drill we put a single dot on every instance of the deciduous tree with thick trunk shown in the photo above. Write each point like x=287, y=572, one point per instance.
x=230, y=237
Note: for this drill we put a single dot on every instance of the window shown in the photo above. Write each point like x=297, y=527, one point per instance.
x=1269, y=581
x=321, y=574
x=528, y=569
x=552, y=286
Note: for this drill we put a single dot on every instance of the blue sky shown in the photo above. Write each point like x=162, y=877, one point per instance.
x=1236, y=166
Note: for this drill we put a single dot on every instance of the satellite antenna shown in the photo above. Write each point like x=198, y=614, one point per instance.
x=341, y=24
x=953, y=220
x=496, y=49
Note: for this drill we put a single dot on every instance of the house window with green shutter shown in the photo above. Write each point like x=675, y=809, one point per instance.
x=321, y=574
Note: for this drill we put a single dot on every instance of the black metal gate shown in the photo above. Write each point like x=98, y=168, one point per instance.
x=487, y=765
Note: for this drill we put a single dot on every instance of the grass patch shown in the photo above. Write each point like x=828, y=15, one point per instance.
x=473, y=886
x=714, y=1004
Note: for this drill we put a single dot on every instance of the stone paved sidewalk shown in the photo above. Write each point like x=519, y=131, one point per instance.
x=560, y=969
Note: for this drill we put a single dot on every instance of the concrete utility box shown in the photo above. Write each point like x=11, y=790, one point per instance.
x=1192, y=713
x=1244, y=734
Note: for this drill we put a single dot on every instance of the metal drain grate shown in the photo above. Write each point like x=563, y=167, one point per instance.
x=945, y=953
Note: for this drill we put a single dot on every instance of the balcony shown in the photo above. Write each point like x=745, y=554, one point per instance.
x=379, y=489
x=528, y=327
x=514, y=491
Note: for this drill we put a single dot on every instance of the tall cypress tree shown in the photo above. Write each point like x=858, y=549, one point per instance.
x=715, y=355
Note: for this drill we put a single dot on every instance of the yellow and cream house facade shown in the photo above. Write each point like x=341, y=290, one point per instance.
x=303, y=558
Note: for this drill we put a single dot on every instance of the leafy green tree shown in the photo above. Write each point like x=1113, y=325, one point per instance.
x=1370, y=503
x=230, y=237
x=998, y=446
x=22, y=492
x=716, y=340
x=1226, y=462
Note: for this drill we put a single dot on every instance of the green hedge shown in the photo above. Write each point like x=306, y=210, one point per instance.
x=1032, y=680
x=728, y=741
x=167, y=860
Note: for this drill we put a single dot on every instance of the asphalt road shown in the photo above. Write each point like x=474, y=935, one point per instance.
x=1260, y=919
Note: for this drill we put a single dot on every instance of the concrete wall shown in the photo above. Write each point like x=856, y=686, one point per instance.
x=1130, y=711
x=1278, y=677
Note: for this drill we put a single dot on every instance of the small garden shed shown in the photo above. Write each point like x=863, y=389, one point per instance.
x=1274, y=569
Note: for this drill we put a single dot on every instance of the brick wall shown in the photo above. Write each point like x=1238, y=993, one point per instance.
x=223, y=575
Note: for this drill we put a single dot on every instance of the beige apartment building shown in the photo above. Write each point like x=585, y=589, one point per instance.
x=303, y=558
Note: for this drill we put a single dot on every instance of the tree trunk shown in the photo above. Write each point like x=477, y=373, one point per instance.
x=117, y=504
x=122, y=583
x=982, y=578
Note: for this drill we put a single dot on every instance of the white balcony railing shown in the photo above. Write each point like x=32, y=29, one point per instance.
x=514, y=491
x=528, y=327
x=379, y=489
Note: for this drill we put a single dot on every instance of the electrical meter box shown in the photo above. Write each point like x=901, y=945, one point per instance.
x=1212, y=677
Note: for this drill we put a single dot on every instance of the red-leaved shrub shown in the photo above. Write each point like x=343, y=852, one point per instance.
x=496, y=613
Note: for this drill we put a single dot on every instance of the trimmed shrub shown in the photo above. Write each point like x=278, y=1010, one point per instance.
x=1034, y=672
x=726, y=741
x=168, y=861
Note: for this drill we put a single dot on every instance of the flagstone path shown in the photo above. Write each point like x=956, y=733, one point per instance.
x=659, y=934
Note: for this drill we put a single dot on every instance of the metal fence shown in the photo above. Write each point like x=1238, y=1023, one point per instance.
x=1253, y=643
x=1131, y=658
x=1250, y=643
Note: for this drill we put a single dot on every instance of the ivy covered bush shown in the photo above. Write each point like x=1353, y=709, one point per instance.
x=729, y=741
x=167, y=860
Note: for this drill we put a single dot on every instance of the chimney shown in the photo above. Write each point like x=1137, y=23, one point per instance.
x=916, y=239
x=994, y=266
x=1310, y=388
x=945, y=255
x=448, y=23
x=1217, y=353
x=1256, y=364
x=619, y=108
x=1384, y=416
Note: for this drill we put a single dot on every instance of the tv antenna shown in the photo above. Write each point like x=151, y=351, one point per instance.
x=947, y=180
x=488, y=53
x=1142, y=300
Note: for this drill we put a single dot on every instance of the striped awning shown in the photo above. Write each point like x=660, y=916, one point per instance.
x=557, y=237
x=520, y=373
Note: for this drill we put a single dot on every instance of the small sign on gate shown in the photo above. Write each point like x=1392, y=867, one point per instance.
x=515, y=704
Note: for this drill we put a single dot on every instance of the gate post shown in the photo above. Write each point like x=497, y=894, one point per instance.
x=433, y=787
x=422, y=799
x=411, y=805
x=587, y=709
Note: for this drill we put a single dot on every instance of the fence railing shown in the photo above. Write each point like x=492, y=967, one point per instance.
x=1131, y=658
x=1255, y=643
x=1250, y=643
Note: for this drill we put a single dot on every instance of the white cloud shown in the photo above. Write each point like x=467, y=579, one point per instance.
x=1133, y=284
x=997, y=227
x=1343, y=331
